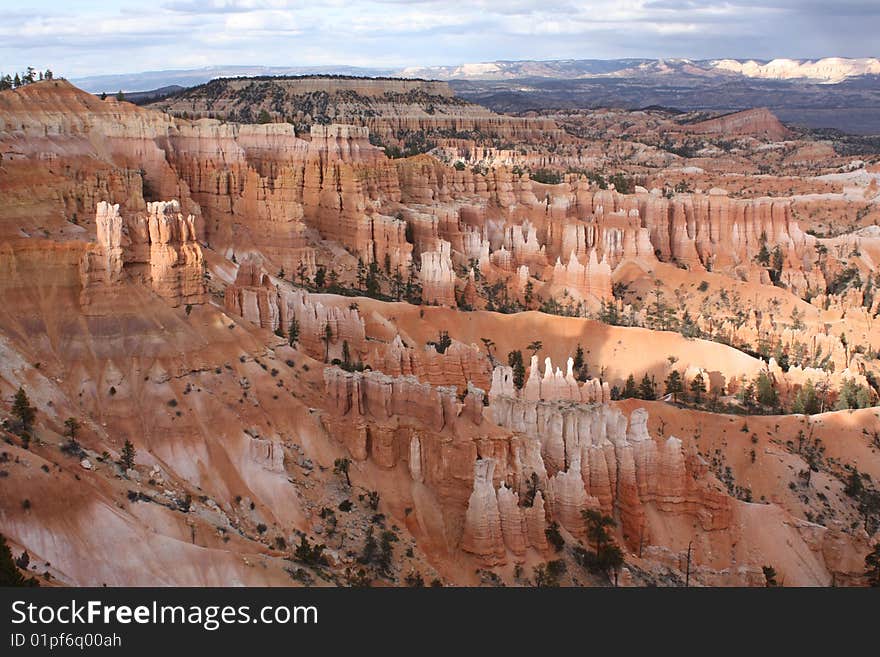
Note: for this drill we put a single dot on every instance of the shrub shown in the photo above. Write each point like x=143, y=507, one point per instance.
x=554, y=537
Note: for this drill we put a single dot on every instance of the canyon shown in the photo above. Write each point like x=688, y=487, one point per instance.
x=399, y=319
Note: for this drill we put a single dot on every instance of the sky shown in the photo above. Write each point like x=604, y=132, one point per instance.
x=93, y=37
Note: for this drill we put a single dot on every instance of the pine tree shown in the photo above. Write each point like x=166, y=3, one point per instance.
x=629, y=388
x=765, y=392
x=578, y=362
x=320, y=276
x=128, y=454
x=340, y=466
x=674, y=385
x=72, y=426
x=302, y=273
x=698, y=388
x=23, y=411
x=806, y=400
x=293, y=332
x=9, y=573
x=327, y=337
x=361, y=274
x=515, y=360
x=373, y=285
x=646, y=388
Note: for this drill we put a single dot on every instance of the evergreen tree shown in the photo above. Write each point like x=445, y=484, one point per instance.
x=674, y=385
x=776, y=266
x=361, y=274
x=327, y=337
x=72, y=426
x=806, y=400
x=302, y=273
x=515, y=360
x=698, y=388
x=9, y=573
x=340, y=466
x=373, y=282
x=646, y=388
x=443, y=342
x=763, y=257
x=128, y=454
x=120, y=96
x=852, y=395
x=765, y=391
x=629, y=388
x=320, y=276
x=529, y=294
x=23, y=411
x=688, y=327
x=293, y=332
x=608, y=556
x=370, y=549
x=578, y=363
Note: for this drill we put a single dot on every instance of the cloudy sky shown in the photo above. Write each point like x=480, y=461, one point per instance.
x=87, y=37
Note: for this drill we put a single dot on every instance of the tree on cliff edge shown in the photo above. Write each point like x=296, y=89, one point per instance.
x=9, y=573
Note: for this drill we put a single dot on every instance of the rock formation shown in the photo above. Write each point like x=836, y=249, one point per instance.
x=164, y=240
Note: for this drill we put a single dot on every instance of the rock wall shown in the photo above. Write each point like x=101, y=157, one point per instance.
x=163, y=240
x=594, y=458
x=323, y=328
x=458, y=363
x=552, y=385
x=438, y=277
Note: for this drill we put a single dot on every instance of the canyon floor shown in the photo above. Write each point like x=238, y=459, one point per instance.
x=331, y=331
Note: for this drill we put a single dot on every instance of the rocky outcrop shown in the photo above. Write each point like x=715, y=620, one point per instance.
x=707, y=229
x=382, y=397
x=101, y=266
x=163, y=240
x=759, y=122
x=594, y=461
x=326, y=331
x=177, y=266
x=552, y=385
x=438, y=277
x=458, y=363
x=483, y=534
x=253, y=296
x=591, y=281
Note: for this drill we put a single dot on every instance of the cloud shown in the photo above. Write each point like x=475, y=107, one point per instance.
x=115, y=36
